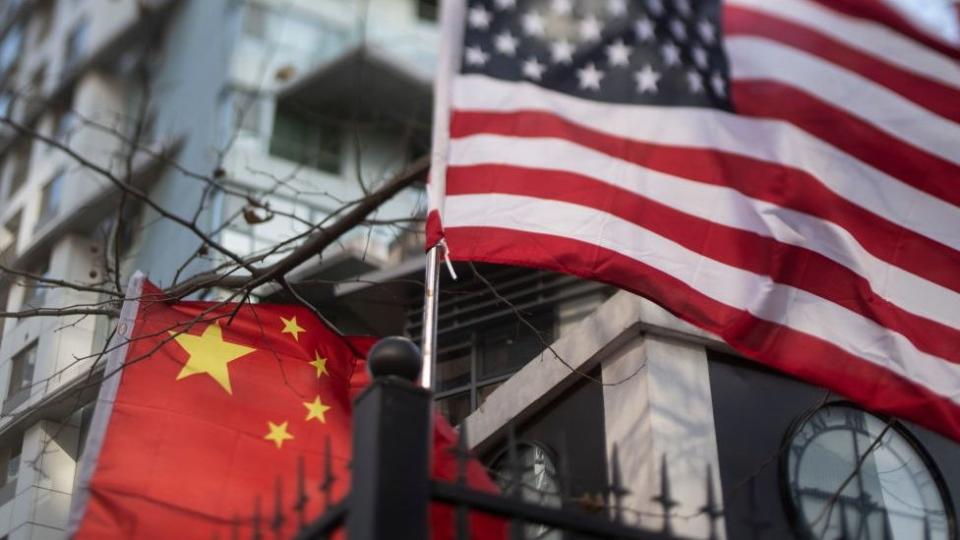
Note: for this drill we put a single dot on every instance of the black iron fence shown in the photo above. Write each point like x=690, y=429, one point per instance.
x=391, y=491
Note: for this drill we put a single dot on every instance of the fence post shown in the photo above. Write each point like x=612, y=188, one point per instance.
x=389, y=492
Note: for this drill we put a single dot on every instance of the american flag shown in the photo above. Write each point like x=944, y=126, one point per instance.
x=782, y=173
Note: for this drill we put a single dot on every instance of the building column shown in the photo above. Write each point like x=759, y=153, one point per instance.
x=662, y=412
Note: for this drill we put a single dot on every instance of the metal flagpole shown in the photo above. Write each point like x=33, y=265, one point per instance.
x=431, y=299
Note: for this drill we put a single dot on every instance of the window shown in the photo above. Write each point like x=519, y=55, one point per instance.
x=10, y=49
x=10, y=469
x=35, y=292
x=245, y=112
x=21, y=378
x=310, y=141
x=64, y=120
x=75, y=45
x=51, y=199
x=255, y=21
x=427, y=9
x=44, y=20
x=20, y=164
x=38, y=78
x=9, y=233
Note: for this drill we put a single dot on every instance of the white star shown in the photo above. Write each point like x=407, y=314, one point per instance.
x=700, y=57
x=561, y=7
x=719, y=87
x=616, y=7
x=670, y=53
x=644, y=29
x=590, y=77
x=695, y=81
x=475, y=56
x=478, y=17
x=532, y=24
x=683, y=7
x=505, y=43
x=590, y=28
x=678, y=29
x=707, y=32
x=561, y=52
x=618, y=54
x=533, y=68
x=647, y=80
x=506, y=4
x=655, y=7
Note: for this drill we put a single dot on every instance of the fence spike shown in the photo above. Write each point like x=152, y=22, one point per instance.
x=257, y=535
x=664, y=499
x=276, y=524
x=326, y=486
x=617, y=489
x=462, y=454
x=753, y=521
x=844, y=525
x=516, y=478
x=302, y=499
x=710, y=508
x=927, y=532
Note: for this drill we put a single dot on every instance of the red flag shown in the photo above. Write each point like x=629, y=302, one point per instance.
x=205, y=414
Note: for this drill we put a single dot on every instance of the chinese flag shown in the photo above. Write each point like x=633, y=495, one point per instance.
x=207, y=412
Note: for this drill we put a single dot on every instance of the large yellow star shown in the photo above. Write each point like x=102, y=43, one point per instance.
x=291, y=327
x=278, y=433
x=210, y=354
x=320, y=363
x=316, y=409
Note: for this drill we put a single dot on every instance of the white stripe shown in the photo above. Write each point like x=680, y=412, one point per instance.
x=764, y=59
x=768, y=140
x=732, y=286
x=721, y=205
x=452, y=15
x=868, y=37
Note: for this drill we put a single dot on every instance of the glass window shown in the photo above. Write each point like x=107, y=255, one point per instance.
x=20, y=164
x=455, y=408
x=255, y=21
x=8, y=237
x=75, y=45
x=506, y=349
x=35, y=293
x=427, y=9
x=21, y=377
x=51, y=198
x=10, y=468
x=309, y=141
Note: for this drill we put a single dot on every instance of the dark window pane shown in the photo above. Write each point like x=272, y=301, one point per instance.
x=507, y=349
x=453, y=368
x=455, y=408
x=427, y=9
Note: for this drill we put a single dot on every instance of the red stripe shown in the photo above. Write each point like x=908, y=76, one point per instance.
x=771, y=182
x=896, y=157
x=784, y=263
x=804, y=356
x=934, y=96
x=877, y=11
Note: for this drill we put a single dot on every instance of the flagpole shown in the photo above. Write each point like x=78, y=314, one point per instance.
x=431, y=300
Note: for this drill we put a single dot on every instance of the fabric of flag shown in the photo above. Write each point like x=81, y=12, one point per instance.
x=790, y=183
x=209, y=411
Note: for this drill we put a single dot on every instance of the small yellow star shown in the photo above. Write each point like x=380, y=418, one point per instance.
x=316, y=409
x=291, y=327
x=320, y=363
x=278, y=433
